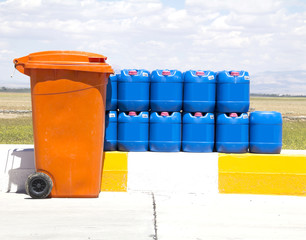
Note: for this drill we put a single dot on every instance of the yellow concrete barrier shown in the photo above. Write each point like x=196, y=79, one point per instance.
x=282, y=174
x=115, y=172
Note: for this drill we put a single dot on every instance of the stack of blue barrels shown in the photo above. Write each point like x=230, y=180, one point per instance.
x=194, y=111
x=110, y=140
x=129, y=129
x=232, y=105
x=199, y=106
x=235, y=131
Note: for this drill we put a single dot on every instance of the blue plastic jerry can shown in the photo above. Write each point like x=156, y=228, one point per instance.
x=199, y=91
x=265, y=132
x=134, y=90
x=166, y=92
x=110, y=139
x=133, y=131
x=232, y=133
x=233, y=92
x=198, y=132
x=165, y=132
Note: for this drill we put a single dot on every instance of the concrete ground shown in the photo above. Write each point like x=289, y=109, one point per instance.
x=112, y=216
x=170, y=197
x=161, y=216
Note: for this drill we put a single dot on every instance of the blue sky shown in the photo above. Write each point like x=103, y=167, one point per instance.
x=254, y=35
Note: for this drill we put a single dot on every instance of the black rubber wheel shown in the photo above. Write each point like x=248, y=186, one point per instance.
x=38, y=185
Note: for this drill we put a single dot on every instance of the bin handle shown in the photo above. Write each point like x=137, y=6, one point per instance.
x=97, y=59
x=19, y=64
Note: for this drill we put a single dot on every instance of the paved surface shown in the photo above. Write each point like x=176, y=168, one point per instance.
x=110, y=217
x=230, y=217
x=184, y=204
x=131, y=216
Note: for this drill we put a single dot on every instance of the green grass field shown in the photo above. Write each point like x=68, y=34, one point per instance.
x=17, y=128
x=294, y=135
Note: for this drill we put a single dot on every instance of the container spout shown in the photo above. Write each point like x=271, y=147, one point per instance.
x=198, y=114
x=235, y=74
x=233, y=115
x=166, y=73
x=164, y=114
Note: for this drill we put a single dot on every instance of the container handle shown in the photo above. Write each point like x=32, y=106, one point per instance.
x=19, y=64
x=97, y=60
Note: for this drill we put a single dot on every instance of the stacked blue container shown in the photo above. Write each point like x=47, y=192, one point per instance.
x=166, y=90
x=199, y=91
x=166, y=95
x=199, y=97
x=133, y=131
x=232, y=133
x=200, y=94
x=165, y=132
x=111, y=94
x=110, y=140
x=233, y=96
x=133, y=90
x=198, y=132
x=133, y=96
x=233, y=92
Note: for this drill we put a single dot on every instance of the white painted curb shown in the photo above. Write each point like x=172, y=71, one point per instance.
x=173, y=172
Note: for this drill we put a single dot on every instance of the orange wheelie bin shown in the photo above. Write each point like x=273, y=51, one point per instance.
x=68, y=91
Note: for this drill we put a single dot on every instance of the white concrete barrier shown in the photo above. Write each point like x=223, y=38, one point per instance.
x=173, y=172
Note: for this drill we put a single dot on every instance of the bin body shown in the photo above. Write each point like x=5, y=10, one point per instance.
x=68, y=111
x=198, y=133
x=233, y=92
x=165, y=132
x=111, y=93
x=199, y=91
x=265, y=132
x=166, y=92
x=133, y=90
x=133, y=132
x=110, y=140
x=232, y=133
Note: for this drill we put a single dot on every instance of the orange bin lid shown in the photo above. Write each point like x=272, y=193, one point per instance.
x=66, y=60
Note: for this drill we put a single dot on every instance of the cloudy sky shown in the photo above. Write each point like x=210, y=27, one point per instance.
x=264, y=37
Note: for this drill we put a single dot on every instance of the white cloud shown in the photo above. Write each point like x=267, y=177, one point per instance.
x=255, y=35
x=239, y=6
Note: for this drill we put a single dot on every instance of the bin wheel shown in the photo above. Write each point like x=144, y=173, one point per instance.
x=38, y=185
